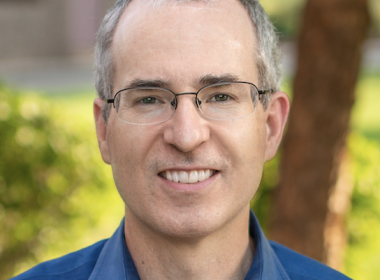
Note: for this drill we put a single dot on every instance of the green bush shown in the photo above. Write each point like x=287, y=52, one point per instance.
x=363, y=254
x=49, y=170
x=287, y=16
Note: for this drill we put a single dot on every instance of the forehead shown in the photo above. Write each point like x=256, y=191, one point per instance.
x=182, y=42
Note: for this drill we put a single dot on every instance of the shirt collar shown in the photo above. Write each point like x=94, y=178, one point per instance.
x=265, y=264
x=115, y=262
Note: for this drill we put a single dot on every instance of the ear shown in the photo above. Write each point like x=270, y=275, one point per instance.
x=101, y=130
x=277, y=115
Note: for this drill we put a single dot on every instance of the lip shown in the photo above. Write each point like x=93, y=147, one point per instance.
x=190, y=187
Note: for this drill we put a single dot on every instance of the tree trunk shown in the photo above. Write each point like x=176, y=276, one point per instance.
x=329, y=53
x=338, y=204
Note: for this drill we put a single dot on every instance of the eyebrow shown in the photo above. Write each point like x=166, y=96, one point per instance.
x=212, y=79
x=147, y=83
x=202, y=81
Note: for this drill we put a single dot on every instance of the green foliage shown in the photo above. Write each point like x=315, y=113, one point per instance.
x=286, y=16
x=366, y=115
x=47, y=160
x=363, y=254
x=374, y=10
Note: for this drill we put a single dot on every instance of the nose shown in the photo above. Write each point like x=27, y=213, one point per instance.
x=187, y=129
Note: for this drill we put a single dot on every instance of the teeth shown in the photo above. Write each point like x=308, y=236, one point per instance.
x=175, y=177
x=169, y=176
x=193, y=177
x=201, y=176
x=188, y=177
x=183, y=177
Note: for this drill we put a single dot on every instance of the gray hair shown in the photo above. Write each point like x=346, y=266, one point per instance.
x=267, y=51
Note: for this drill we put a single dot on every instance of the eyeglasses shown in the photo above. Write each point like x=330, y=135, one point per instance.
x=219, y=101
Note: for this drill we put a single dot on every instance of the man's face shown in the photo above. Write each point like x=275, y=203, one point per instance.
x=183, y=47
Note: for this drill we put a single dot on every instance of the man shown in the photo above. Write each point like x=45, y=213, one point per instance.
x=190, y=110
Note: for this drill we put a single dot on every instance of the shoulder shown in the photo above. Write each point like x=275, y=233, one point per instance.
x=74, y=266
x=300, y=267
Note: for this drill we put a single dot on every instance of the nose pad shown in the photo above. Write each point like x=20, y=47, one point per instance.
x=198, y=102
x=174, y=103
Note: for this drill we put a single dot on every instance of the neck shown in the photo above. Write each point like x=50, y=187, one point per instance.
x=224, y=254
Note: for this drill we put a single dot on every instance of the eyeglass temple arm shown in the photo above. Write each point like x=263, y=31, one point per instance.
x=108, y=101
x=265, y=91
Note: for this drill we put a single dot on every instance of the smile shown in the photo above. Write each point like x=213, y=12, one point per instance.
x=187, y=177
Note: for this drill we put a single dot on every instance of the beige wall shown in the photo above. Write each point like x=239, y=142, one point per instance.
x=35, y=28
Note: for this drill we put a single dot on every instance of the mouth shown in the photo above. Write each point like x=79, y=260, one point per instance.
x=187, y=177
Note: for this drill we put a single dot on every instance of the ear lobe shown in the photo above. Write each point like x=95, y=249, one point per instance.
x=277, y=115
x=101, y=130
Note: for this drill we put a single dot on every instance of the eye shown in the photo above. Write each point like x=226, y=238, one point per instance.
x=220, y=98
x=148, y=100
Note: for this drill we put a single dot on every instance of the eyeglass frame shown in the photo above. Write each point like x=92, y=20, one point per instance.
x=197, y=101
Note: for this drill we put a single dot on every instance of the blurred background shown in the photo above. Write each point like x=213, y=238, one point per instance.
x=56, y=194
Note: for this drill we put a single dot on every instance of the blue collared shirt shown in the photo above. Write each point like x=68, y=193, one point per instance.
x=110, y=259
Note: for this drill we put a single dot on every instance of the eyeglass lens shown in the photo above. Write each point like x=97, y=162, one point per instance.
x=150, y=105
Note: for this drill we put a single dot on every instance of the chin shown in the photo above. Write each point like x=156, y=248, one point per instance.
x=188, y=231
x=188, y=225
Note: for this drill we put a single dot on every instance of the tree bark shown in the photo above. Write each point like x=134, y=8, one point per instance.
x=329, y=54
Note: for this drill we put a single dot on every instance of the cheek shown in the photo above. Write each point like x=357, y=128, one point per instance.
x=246, y=142
x=123, y=154
x=129, y=150
x=129, y=143
x=246, y=149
